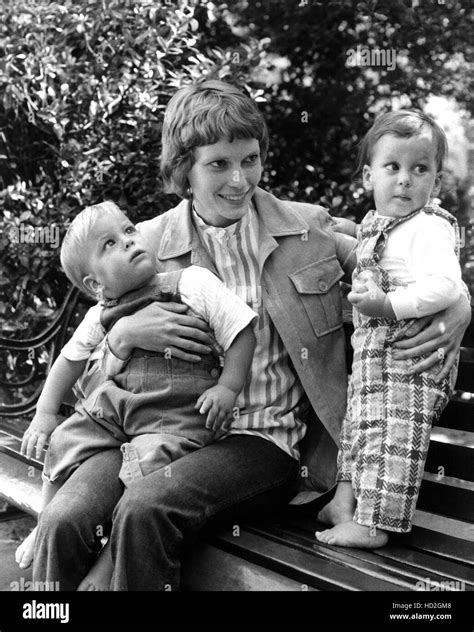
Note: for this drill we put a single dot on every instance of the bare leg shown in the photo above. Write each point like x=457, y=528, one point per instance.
x=341, y=508
x=354, y=535
x=25, y=552
x=98, y=578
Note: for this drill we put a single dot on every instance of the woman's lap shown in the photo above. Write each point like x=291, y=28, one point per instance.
x=238, y=478
x=234, y=479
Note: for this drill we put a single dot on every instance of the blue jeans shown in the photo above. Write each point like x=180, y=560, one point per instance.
x=239, y=478
x=147, y=410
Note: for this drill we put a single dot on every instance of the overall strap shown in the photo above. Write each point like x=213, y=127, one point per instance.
x=440, y=212
x=164, y=289
x=432, y=209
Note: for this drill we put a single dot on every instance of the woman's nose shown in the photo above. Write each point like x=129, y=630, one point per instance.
x=237, y=178
x=128, y=241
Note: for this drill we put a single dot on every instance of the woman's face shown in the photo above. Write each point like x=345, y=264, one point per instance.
x=223, y=179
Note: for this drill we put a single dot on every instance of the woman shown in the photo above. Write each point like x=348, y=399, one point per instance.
x=286, y=262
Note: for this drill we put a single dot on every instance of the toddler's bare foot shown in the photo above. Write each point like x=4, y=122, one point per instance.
x=25, y=552
x=354, y=535
x=341, y=508
x=98, y=578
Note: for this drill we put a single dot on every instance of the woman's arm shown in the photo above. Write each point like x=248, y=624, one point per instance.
x=161, y=327
x=439, y=335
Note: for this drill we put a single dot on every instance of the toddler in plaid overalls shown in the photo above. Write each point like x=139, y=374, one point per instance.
x=407, y=268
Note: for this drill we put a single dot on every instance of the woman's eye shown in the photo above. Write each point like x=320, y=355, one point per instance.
x=251, y=160
x=392, y=166
x=218, y=164
x=109, y=243
x=130, y=229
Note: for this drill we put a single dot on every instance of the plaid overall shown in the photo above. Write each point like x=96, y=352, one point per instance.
x=386, y=431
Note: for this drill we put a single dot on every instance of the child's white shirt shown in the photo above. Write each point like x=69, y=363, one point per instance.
x=420, y=253
x=225, y=313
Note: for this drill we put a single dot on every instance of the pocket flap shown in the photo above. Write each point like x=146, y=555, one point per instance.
x=317, y=277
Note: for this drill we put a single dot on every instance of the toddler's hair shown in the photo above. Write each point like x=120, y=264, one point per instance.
x=73, y=249
x=204, y=113
x=403, y=123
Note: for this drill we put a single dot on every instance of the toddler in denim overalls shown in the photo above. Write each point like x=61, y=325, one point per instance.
x=151, y=405
x=407, y=268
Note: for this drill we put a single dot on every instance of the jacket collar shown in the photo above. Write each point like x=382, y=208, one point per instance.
x=276, y=217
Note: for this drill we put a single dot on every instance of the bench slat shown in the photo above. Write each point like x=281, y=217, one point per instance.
x=451, y=453
x=444, y=525
x=453, y=495
x=465, y=379
x=212, y=569
x=17, y=487
x=303, y=566
x=11, y=445
x=441, y=545
x=394, y=560
x=459, y=413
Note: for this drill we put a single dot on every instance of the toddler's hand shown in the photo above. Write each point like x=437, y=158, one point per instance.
x=344, y=225
x=38, y=432
x=218, y=402
x=367, y=297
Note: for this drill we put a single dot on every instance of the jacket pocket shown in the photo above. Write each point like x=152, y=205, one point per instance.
x=318, y=288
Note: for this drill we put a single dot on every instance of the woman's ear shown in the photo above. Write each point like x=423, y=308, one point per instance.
x=367, y=178
x=92, y=285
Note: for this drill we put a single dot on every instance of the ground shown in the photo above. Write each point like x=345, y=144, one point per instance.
x=14, y=527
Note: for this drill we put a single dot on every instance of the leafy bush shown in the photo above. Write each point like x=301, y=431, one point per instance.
x=84, y=85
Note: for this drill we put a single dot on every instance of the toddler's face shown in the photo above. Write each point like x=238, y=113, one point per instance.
x=118, y=257
x=402, y=173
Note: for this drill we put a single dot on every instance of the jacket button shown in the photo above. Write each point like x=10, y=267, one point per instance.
x=323, y=286
x=214, y=372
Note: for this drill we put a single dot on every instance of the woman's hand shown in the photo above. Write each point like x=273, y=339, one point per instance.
x=439, y=335
x=161, y=327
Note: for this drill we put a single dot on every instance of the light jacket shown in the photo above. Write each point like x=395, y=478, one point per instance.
x=302, y=261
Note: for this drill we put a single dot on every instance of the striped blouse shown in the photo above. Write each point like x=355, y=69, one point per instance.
x=271, y=402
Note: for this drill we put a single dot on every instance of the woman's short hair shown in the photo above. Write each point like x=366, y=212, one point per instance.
x=74, y=259
x=204, y=113
x=403, y=123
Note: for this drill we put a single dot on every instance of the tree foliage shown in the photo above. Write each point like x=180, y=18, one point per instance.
x=83, y=90
x=84, y=83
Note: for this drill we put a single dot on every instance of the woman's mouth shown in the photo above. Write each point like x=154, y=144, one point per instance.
x=234, y=198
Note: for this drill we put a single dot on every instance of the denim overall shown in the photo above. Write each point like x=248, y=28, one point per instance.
x=147, y=409
x=386, y=431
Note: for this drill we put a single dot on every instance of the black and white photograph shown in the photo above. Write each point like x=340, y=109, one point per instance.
x=236, y=281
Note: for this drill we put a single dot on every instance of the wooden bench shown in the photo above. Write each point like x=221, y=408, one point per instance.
x=282, y=554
